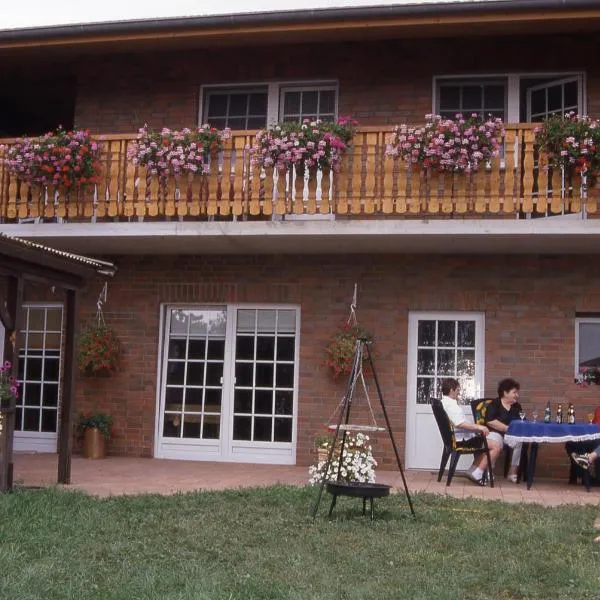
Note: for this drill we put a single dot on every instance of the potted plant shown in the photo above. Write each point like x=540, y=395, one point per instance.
x=95, y=428
x=340, y=350
x=447, y=145
x=572, y=143
x=357, y=462
x=173, y=153
x=66, y=159
x=313, y=145
x=99, y=351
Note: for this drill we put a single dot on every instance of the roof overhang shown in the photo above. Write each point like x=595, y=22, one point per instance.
x=296, y=26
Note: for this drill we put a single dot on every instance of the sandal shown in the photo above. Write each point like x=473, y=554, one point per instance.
x=513, y=478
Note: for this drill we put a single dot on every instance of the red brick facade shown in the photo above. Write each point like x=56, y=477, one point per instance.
x=529, y=306
x=380, y=82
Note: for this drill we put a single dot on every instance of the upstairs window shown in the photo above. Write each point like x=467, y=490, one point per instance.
x=482, y=97
x=312, y=103
x=237, y=108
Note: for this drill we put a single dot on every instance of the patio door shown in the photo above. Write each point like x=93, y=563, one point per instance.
x=440, y=345
x=228, y=384
x=36, y=418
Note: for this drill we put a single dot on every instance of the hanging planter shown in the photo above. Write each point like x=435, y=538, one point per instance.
x=99, y=352
x=340, y=350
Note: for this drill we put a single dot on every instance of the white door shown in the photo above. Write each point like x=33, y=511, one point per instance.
x=36, y=419
x=228, y=384
x=440, y=345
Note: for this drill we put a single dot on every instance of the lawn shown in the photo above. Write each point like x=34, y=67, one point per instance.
x=262, y=544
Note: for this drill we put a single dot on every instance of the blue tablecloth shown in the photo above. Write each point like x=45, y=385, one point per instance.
x=552, y=433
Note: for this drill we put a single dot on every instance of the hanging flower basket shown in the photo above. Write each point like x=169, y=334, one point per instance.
x=340, y=350
x=99, y=352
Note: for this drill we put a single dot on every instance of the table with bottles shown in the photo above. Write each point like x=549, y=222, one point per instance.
x=533, y=433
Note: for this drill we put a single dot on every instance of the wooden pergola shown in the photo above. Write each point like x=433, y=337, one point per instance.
x=22, y=261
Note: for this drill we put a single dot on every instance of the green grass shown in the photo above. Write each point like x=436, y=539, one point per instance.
x=262, y=544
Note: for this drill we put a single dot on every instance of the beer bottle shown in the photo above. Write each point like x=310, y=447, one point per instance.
x=547, y=413
x=559, y=415
x=571, y=414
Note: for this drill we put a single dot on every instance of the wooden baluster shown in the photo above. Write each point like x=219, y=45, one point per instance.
x=528, y=174
x=241, y=174
x=129, y=188
x=358, y=174
x=226, y=170
x=281, y=192
x=512, y=161
x=154, y=196
x=113, y=183
x=573, y=202
x=36, y=201
x=403, y=182
x=143, y=185
x=194, y=200
x=389, y=184
x=23, y=205
x=418, y=190
x=49, y=206
x=211, y=189
x=171, y=192
x=311, y=201
x=479, y=180
x=299, y=190
x=265, y=196
x=324, y=206
x=344, y=181
x=436, y=192
x=459, y=192
x=494, y=179
x=593, y=195
x=369, y=172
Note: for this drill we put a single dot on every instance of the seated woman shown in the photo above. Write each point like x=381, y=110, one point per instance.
x=499, y=415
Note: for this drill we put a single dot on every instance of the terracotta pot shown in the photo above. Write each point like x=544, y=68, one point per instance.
x=94, y=444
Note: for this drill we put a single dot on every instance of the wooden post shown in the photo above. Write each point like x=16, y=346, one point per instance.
x=65, y=433
x=11, y=352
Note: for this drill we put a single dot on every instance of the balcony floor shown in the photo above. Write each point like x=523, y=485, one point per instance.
x=125, y=476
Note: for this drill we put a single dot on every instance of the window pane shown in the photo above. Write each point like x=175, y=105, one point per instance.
x=242, y=402
x=571, y=94
x=265, y=348
x=465, y=363
x=191, y=426
x=37, y=319
x=175, y=373
x=291, y=103
x=262, y=429
x=493, y=96
x=310, y=104
x=589, y=345
x=238, y=105
x=284, y=403
x=285, y=376
x=257, y=122
x=214, y=373
x=242, y=428
x=193, y=399
x=425, y=390
x=446, y=364
x=426, y=334
x=195, y=374
x=266, y=321
x=196, y=349
x=50, y=394
x=286, y=321
x=327, y=102
x=49, y=420
x=450, y=97
x=538, y=101
x=258, y=104
x=466, y=334
x=212, y=400
x=244, y=348
x=283, y=430
x=263, y=402
x=425, y=362
x=177, y=348
x=31, y=419
x=217, y=105
x=472, y=98
x=285, y=348
x=446, y=333
x=264, y=375
x=236, y=122
x=211, y=427
x=244, y=373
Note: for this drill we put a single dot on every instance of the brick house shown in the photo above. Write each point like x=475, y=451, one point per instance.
x=224, y=302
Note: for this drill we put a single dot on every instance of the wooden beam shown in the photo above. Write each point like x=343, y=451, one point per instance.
x=65, y=431
x=6, y=317
x=38, y=273
x=11, y=352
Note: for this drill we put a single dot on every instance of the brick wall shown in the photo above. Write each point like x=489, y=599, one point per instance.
x=529, y=306
x=381, y=82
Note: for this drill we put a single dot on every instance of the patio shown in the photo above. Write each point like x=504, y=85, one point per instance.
x=124, y=476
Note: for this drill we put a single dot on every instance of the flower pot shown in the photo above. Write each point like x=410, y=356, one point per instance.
x=94, y=444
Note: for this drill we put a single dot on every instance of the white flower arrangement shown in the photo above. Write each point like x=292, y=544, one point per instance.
x=358, y=463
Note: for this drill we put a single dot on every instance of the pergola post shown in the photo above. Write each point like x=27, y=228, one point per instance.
x=65, y=432
x=14, y=302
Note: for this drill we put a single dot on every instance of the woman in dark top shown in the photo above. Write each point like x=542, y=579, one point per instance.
x=500, y=413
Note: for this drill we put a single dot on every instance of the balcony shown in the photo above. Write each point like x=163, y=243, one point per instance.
x=368, y=185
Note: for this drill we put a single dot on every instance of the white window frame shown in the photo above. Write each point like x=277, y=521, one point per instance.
x=43, y=441
x=274, y=93
x=513, y=87
x=308, y=88
x=579, y=321
x=498, y=80
x=563, y=81
x=225, y=449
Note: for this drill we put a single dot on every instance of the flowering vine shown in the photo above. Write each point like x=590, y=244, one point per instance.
x=99, y=351
x=9, y=386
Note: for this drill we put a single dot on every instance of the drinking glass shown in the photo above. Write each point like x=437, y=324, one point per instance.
x=590, y=417
x=534, y=415
x=522, y=415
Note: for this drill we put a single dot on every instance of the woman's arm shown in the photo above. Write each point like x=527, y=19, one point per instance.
x=497, y=426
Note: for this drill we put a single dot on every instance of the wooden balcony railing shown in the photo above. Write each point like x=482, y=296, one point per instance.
x=369, y=184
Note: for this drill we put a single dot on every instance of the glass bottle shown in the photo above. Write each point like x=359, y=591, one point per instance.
x=547, y=413
x=571, y=414
x=559, y=415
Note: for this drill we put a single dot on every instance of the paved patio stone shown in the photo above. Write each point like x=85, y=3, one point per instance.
x=124, y=476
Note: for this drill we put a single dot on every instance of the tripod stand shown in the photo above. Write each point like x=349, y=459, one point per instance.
x=362, y=354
